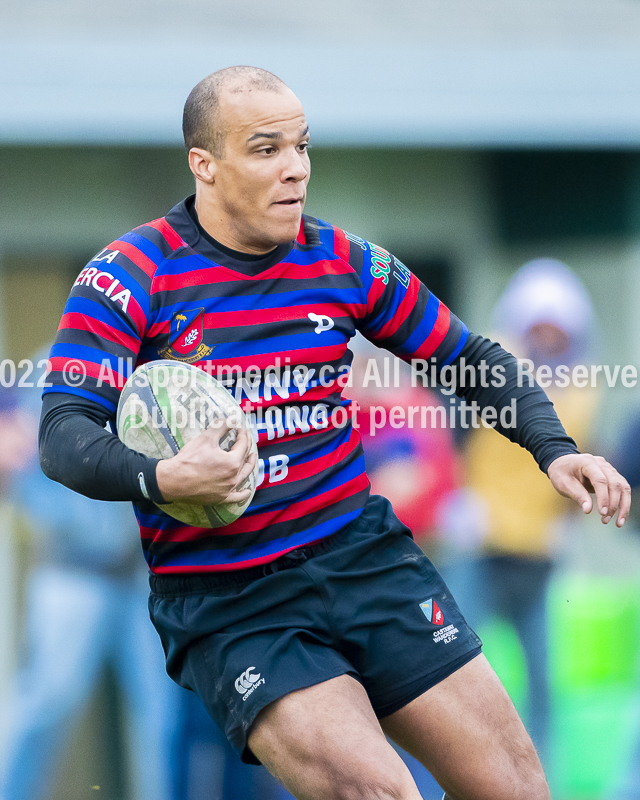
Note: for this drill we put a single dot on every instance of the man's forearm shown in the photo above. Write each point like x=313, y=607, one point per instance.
x=536, y=424
x=77, y=451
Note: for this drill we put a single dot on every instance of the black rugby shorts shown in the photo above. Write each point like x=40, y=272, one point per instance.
x=364, y=602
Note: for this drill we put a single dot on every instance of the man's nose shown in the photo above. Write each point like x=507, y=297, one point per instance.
x=295, y=169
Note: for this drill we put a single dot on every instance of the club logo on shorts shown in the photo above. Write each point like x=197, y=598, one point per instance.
x=435, y=616
x=185, y=337
x=432, y=612
x=247, y=683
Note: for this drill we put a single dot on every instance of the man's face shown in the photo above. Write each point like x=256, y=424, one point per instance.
x=547, y=340
x=260, y=184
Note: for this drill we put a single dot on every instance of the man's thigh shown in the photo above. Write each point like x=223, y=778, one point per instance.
x=325, y=743
x=467, y=733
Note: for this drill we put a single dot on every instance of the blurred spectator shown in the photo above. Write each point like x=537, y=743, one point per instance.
x=16, y=442
x=86, y=603
x=544, y=315
x=16, y=435
x=208, y=768
x=627, y=456
x=413, y=465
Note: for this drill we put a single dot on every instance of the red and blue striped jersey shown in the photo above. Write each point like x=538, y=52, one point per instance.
x=275, y=330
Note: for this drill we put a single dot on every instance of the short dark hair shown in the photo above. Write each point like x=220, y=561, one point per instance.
x=201, y=122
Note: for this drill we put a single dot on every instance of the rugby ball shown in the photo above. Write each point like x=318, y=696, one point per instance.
x=164, y=405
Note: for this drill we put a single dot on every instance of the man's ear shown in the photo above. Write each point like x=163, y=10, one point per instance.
x=202, y=164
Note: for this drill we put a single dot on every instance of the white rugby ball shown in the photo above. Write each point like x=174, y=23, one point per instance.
x=164, y=405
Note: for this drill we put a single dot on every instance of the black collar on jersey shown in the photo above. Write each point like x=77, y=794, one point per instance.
x=184, y=220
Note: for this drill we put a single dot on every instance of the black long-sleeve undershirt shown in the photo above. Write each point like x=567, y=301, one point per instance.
x=537, y=427
x=77, y=450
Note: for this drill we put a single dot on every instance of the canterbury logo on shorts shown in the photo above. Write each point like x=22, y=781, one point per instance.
x=247, y=681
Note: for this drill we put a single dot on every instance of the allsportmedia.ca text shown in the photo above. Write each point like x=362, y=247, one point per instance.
x=452, y=377
x=379, y=373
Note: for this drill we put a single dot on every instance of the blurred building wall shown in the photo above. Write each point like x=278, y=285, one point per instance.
x=412, y=72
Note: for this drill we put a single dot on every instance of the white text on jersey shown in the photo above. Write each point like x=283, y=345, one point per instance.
x=104, y=282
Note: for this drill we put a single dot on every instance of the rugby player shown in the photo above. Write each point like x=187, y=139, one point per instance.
x=313, y=625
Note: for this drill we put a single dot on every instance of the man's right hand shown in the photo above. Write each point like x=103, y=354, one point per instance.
x=202, y=472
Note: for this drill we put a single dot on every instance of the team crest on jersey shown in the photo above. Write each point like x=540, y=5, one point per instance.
x=185, y=337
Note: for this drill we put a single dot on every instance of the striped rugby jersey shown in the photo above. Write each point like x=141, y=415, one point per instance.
x=275, y=331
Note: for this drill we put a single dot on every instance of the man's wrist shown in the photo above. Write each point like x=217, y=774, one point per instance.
x=552, y=456
x=561, y=455
x=163, y=478
x=172, y=476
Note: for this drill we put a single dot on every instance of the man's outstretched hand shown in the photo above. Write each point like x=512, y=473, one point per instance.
x=578, y=475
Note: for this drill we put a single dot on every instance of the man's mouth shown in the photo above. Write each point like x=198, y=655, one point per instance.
x=292, y=201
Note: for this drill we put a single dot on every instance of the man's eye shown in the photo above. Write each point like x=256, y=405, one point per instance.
x=304, y=146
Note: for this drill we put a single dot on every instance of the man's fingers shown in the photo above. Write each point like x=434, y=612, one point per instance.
x=619, y=495
x=600, y=483
x=238, y=497
x=242, y=444
x=625, y=506
x=613, y=494
x=615, y=490
x=576, y=475
x=247, y=469
x=573, y=488
x=241, y=448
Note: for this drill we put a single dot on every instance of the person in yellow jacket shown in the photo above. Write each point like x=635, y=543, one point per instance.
x=544, y=315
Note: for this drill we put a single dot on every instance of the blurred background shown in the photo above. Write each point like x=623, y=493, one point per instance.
x=468, y=137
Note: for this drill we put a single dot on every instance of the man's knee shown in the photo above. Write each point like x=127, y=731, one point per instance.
x=528, y=785
x=363, y=776
x=535, y=786
x=527, y=780
x=531, y=780
x=523, y=792
x=522, y=780
x=377, y=784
